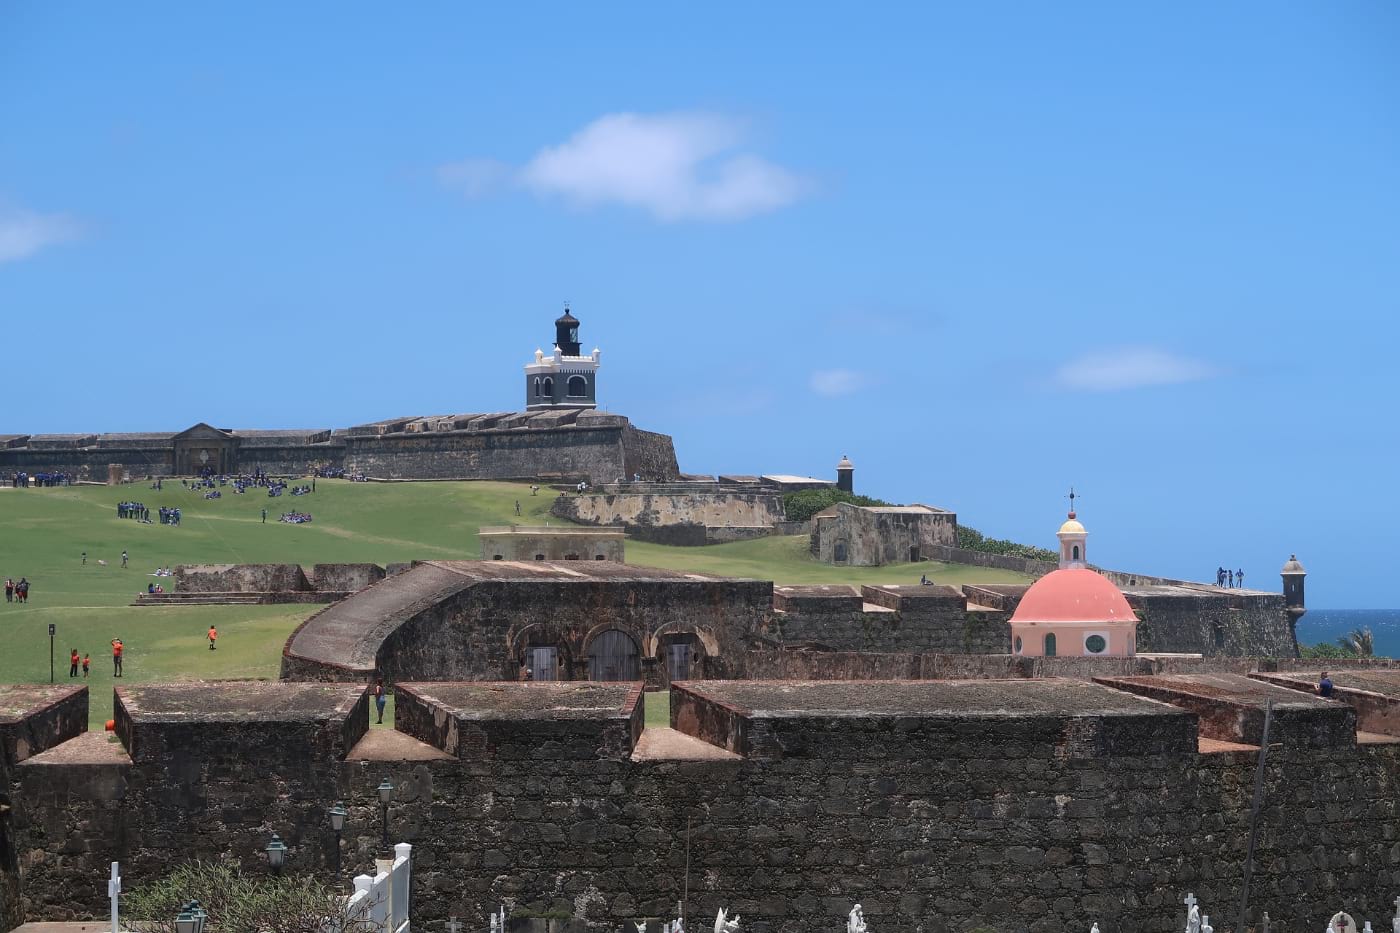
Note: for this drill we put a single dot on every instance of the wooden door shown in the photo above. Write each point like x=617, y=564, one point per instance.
x=613, y=656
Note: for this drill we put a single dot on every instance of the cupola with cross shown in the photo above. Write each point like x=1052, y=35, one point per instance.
x=563, y=377
x=1072, y=538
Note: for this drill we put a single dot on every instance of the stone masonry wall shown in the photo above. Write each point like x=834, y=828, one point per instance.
x=240, y=578
x=649, y=455
x=481, y=632
x=715, y=508
x=1215, y=625
x=1016, y=823
x=595, y=454
x=941, y=628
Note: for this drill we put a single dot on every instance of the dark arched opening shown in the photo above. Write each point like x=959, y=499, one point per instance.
x=578, y=386
x=613, y=655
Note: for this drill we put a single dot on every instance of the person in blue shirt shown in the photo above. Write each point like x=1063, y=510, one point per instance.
x=1324, y=685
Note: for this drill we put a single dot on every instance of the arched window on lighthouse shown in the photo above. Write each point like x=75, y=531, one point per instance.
x=1076, y=552
x=537, y=387
x=578, y=386
x=549, y=386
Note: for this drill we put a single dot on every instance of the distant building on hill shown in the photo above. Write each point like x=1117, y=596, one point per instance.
x=551, y=543
x=560, y=437
x=871, y=536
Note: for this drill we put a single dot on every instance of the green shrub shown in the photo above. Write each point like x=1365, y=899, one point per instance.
x=237, y=903
x=973, y=540
x=800, y=506
x=1325, y=650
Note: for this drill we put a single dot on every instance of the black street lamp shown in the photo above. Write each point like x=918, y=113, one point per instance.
x=337, y=813
x=386, y=793
x=276, y=854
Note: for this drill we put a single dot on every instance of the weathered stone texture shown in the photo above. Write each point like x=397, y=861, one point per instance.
x=745, y=509
x=1036, y=821
x=863, y=536
x=241, y=578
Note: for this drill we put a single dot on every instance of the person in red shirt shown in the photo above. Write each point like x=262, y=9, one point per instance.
x=73, y=663
x=213, y=636
x=86, y=661
x=116, y=657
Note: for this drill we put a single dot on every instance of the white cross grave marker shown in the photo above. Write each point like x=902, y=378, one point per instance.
x=114, y=888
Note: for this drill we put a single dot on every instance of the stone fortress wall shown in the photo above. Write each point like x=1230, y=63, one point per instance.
x=567, y=444
x=478, y=620
x=941, y=806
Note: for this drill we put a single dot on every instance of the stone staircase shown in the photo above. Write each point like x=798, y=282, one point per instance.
x=198, y=599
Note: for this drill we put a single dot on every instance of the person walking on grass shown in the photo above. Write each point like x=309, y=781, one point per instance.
x=73, y=663
x=379, y=698
x=213, y=637
x=22, y=590
x=264, y=521
x=117, y=647
x=9, y=591
x=85, y=558
x=123, y=560
x=86, y=662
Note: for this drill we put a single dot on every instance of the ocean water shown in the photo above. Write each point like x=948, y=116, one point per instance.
x=1327, y=625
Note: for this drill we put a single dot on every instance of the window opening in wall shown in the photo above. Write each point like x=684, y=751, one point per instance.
x=1050, y=644
x=499, y=557
x=578, y=386
x=539, y=557
x=613, y=656
x=678, y=660
x=914, y=554
x=549, y=387
x=537, y=387
x=1219, y=634
x=601, y=557
x=1095, y=644
x=571, y=557
x=840, y=552
x=1076, y=552
x=1018, y=644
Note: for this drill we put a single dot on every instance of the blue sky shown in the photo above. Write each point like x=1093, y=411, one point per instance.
x=988, y=251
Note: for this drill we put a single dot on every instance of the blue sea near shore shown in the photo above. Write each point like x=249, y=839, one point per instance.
x=1328, y=625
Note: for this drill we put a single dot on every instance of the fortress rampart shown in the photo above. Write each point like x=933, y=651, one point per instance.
x=569, y=443
x=1041, y=805
x=484, y=620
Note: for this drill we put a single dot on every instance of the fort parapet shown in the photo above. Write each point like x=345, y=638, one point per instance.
x=937, y=805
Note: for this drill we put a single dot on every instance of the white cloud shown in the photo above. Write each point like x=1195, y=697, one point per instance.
x=679, y=166
x=474, y=177
x=837, y=381
x=1130, y=368
x=23, y=233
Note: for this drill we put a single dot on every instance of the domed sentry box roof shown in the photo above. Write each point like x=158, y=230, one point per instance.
x=1293, y=567
x=567, y=318
x=1073, y=595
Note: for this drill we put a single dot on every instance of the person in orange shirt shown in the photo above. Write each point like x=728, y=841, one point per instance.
x=87, y=660
x=73, y=663
x=213, y=636
x=116, y=657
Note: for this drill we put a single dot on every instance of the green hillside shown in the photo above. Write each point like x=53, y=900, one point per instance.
x=43, y=533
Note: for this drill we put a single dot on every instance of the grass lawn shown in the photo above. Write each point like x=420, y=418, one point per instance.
x=43, y=532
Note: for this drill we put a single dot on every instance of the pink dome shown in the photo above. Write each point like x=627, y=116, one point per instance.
x=1073, y=595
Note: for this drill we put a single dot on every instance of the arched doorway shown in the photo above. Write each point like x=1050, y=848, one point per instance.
x=613, y=656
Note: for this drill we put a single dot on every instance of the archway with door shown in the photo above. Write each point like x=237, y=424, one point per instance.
x=542, y=653
x=681, y=651
x=613, y=656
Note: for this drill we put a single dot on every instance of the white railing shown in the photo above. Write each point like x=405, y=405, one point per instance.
x=382, y=901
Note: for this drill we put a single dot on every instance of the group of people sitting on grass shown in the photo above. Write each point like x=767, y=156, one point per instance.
x=214, y=495
x=154, y=588
x=295, y=518
x=301, y=490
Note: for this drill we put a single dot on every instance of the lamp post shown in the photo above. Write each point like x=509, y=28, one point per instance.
x=337, y=814
x=276, y=854
x=386, y=793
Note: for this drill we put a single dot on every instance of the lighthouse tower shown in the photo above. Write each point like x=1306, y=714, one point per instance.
x=564, y=377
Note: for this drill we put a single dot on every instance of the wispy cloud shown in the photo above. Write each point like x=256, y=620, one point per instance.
x=833, y=382
x=677, y=166
x=23, y=233
x=1131, y=368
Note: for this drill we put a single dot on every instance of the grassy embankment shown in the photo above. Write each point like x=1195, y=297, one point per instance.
x=43, y=532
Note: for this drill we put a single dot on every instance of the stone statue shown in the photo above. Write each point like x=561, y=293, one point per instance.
x=1193, y=919
x=726, y=926
x=855, y=923
x=1094, y=928
x=641, y=927
x=1205, y=925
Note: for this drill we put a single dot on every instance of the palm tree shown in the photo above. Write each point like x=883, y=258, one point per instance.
x=1359, y=642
